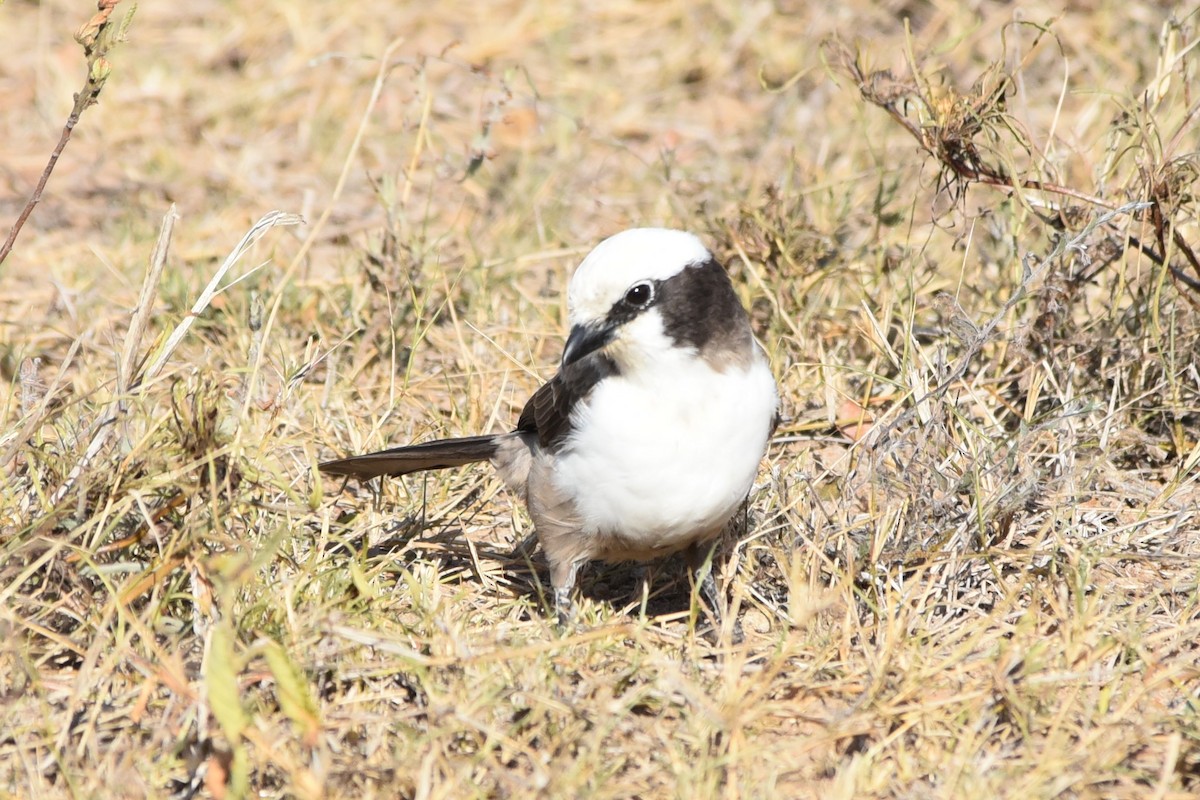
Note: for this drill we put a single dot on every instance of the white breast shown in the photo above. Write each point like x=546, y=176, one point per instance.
x=665, y=455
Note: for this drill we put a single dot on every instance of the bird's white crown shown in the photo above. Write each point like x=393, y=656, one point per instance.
x=624, y=259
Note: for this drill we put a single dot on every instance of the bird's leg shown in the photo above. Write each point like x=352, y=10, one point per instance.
x=712, y=598
x=562, y=578
x=564, y=609
x=700, y=560
x=643, y=579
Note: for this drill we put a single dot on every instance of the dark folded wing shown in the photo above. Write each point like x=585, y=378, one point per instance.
x=439, y=454
x=548, y=412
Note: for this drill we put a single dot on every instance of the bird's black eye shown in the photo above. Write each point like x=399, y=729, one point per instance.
x=640, y=295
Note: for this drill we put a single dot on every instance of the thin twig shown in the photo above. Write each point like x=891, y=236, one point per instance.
x=97, y=37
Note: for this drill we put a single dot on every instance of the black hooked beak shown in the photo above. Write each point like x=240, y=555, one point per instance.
x=585, y=339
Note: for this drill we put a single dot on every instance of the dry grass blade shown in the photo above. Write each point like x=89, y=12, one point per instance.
x=104, y=427
x=257, y=231
x=141, y=314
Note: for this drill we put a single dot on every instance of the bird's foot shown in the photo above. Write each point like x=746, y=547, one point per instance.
x=711, y=600
x=564, y=609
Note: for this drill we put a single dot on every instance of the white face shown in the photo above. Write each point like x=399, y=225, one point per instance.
x=622, y=260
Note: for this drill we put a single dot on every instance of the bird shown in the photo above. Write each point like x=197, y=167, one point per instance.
x=647, y=440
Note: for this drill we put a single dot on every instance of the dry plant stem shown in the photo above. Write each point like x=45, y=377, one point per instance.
x=36, y=197
x=96, y=41
x=141, y=314
x=985, y=331
x=255, y=324
x=105, y=425
x=35, y=416
x=927, y=139
x=268, y=221
x=968, y=168
x=32, y=387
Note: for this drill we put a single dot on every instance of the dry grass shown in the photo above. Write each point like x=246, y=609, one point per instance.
x=971, y=569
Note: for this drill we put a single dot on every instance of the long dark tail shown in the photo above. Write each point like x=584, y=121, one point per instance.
x=440, y=454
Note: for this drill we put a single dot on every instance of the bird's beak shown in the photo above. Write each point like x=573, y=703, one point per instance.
x=585, y=339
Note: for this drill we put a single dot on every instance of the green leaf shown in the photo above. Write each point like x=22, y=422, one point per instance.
x=292, y=690
x=239, y=774
x=221, y=681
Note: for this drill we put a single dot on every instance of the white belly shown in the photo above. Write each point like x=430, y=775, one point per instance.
x=657, y=463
